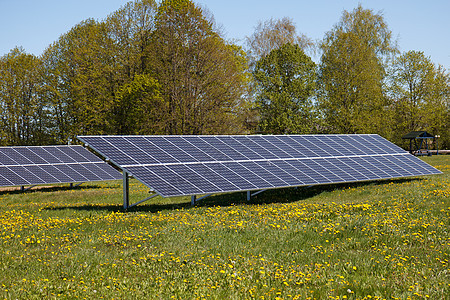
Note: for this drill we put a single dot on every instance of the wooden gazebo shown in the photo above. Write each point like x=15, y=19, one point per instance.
x=418, y=137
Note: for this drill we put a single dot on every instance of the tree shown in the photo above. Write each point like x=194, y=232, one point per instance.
x=81, y=72
x=421, y=95
x=23, y=114
x=200, y=75
x=286, y=82
x=274, y=33
x=352, y=73
x=370, y=28
x=130, y=28
x=438, y=107
x=95, y=74
x=139, y=106
x=137, y=101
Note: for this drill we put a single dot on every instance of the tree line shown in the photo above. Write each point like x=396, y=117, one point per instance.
x=165, y=68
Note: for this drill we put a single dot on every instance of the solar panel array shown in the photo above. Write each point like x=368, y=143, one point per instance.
x=52, y=164
x=193, y=165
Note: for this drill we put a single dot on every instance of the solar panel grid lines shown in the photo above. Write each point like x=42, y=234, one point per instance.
x=358, y=170
x=218, y=149
x=261, y=151
x=190, y=148
x=11, y=155
x=179, y=155
x=4, y=181
x=210, y=146
x=206, y=148
x=31, y=165
x=311, y=176
x=146, y=175
x=191, y=165
x=242, y=147
x=51, y=154
x=300, y=176
x=273, y=179
x=248, y=175
x=287, y=146
x=220, y=181
x=114, y=150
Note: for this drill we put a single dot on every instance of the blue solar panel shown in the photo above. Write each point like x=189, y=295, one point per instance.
x=274, y=180
x=206, y=172
x=5, y=160
x=4, y=181
x=226, y=171
x=58, y=154
x=188, y=147
x=12, y=157
x=191, y=165
x=52, y=164
x=12, y=176
x=146, y=175
x=248, y=174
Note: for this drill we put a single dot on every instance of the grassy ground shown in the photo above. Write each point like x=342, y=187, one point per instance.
x=377, y=240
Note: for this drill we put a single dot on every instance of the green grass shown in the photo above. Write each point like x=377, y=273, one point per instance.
x=375, y=240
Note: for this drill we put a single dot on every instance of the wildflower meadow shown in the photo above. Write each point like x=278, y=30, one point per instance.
x=386, y=239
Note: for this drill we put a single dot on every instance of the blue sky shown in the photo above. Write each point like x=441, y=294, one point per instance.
x=417, y=24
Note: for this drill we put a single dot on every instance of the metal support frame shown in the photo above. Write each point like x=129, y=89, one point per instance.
x=126, y=187
x=436, y=137
x=126, y=193
x=78, y=184
x=250, y=195
x=194, y=198
x=23, y=188
x=139, y=202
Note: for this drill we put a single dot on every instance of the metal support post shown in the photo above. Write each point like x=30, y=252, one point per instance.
x=148, y=198
x=193, y=198
x=75, y=185
x=249, y=195
x=126, y=197
x=24, y=189
x=437, y=145
x=256, y=193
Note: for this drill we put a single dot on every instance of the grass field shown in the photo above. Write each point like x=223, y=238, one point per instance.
x=376, y=240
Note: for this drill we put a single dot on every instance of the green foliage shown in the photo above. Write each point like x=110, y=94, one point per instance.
x=351, y=97
x=286, y=81
x=352, y=74
x=201, y=77
x=90, y=69
x=81, y=64
x=23, y=114
x=164, y=68
x=139, y=106
x=421, y=95
x=274, y=33
x=369, y=27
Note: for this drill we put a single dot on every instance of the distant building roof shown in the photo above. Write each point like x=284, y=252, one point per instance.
x=418, y=134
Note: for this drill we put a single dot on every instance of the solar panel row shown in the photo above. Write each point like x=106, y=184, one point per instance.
x=192, y=165
x=14, y=156
x=207, y=178
x=51, y=164
x=143, y=150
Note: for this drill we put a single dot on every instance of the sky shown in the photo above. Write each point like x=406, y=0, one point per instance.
x=416, y=24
